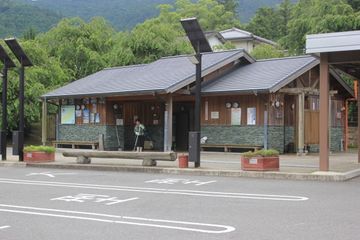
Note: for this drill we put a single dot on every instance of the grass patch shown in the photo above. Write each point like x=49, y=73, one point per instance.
x=262, y=153
x=33, y=148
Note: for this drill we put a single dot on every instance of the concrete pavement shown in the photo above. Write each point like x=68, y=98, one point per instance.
x=343, y=166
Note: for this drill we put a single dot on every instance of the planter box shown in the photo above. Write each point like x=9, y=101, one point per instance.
x=260, y=164
x=39, y=157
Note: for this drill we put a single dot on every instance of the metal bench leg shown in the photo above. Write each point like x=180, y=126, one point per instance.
x=149, y=163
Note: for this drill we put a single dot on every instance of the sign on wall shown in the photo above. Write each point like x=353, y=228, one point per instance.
x=236, y=116
x=215, y=115
x=68, y=114
x=251, y=116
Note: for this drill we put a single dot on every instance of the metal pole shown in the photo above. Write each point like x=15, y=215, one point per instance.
x=21, y=112
x=4, y=115
x=198, y=106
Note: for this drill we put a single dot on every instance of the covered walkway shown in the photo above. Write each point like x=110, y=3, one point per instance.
x=339, y=51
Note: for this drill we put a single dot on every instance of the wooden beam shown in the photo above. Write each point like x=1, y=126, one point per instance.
x=324, y=113
x=344, y=57
x=296, y=91
x=358, y=104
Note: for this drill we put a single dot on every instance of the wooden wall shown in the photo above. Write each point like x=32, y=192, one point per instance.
x=217, y=104
x=149, y=112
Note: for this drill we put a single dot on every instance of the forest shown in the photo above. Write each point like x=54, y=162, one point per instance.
x=74, y=48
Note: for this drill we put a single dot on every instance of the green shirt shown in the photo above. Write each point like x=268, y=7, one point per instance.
x=139, y=130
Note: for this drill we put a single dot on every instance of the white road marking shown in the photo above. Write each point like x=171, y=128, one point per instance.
x=106, y=218
x=4, y=227
x=172, y=181
x=158, y=190
x=49, y=174
x=84, y=197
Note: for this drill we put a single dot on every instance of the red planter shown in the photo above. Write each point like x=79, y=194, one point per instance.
x=183, y=161
x=39, y=157
x=260, y=164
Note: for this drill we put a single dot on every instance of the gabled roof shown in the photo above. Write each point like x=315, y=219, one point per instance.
x=165, y=75
x=238, y=34
x=262, y=76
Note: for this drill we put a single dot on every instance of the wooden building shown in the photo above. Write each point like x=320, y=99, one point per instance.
x=272, y=103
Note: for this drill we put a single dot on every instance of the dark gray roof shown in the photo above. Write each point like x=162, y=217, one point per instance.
x=262, y=76
x=165, y=75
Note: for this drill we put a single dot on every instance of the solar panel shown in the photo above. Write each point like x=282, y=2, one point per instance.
x=15, y=47
x=196, y=35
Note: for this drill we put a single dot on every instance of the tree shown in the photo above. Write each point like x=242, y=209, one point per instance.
x=266, y=23
x=284, y=12
x=230, y=5
x=265, y=51
x=355, y=4
x=317, y=16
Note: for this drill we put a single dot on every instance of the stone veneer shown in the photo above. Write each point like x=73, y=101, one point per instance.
x=248, y=135
x=126, y=135
x=91, y=133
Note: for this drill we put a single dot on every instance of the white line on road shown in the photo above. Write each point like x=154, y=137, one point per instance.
x=4, y=227
x=106, y=218
x=49, y=174
x=158, y=190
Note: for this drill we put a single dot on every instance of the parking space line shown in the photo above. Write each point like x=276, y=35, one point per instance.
x=4, y=227
x=106, y=218
x=196, y=193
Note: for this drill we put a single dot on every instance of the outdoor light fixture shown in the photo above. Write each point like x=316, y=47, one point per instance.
x=200, y=44
x=18, y=136
x=8, y=63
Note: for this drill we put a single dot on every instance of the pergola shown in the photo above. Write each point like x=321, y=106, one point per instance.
x=342, y=51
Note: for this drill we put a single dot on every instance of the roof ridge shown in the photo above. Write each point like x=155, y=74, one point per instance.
x=284, y=58
x=205, y=53
x=127, y=66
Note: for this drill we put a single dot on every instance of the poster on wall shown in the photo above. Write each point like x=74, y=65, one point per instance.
x=92, y=117
x=251, y=116
x=68, y=114
x=86, y=116
x=215, y=115
x=236, y=116
x=97, y=118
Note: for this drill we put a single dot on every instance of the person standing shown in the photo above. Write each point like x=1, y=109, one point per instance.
x=139, y=131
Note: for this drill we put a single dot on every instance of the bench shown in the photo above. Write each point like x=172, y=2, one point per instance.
x=149, y=158
x=74, y=144
x=228, y=147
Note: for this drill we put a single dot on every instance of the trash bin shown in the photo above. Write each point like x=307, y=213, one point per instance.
x=183, y=161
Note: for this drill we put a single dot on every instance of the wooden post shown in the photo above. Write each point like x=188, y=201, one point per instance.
x=301, y=114
x=346, y=124
x=44, y=123
x=168, y=131
x=358, y=105
x=324, y=113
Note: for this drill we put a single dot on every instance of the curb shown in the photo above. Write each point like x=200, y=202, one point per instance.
x=316, y=176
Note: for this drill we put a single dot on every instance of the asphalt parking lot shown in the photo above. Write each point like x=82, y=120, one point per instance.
x=78, y=204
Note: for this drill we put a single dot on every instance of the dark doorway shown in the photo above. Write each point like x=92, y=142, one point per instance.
x=182, y=124
x=182, y=128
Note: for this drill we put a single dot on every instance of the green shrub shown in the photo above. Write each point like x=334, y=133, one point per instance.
x=262, y=153
x=46, y=149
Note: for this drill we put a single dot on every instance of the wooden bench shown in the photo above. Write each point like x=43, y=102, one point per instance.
x=74, y=144
x=228, y=147
x=149, y=158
